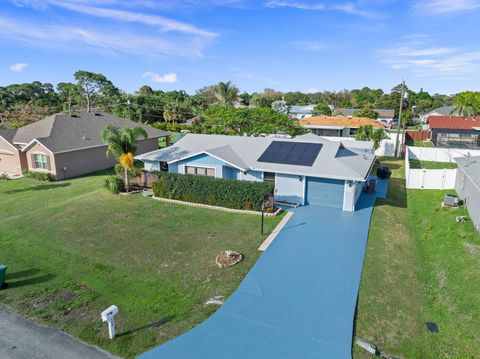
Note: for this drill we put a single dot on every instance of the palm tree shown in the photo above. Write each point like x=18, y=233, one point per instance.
x=226, y=93
x=467, y=103
x=368, y=133
x=122, y=144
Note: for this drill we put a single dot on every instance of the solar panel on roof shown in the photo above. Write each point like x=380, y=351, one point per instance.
x=291, y=153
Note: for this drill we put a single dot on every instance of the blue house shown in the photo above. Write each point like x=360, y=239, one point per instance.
x=306, y=170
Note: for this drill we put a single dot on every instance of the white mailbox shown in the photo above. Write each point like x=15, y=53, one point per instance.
x=107, y=316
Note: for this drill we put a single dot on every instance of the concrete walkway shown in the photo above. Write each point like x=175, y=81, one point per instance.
x=299, y=299
x=21, y=339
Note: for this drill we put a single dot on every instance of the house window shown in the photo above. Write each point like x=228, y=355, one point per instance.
x=269, y=177
x=40, y=161
x=200, y=171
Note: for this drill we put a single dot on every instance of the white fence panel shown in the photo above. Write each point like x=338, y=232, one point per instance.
x=387, y=147
x=439, y=154
x=428, y=178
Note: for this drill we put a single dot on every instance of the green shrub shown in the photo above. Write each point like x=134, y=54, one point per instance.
x=41, y=176
x=4, y=177
x=114, y=184
x=213, y=191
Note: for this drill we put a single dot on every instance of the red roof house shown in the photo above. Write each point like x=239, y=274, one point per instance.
x=455, y=131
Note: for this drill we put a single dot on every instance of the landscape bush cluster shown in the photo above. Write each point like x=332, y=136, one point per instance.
x=213, y=191
x=41, y=176
x=114, y=184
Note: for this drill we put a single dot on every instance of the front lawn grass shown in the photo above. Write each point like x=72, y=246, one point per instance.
x=420, y=266
x=73, y=249
x=431, y=165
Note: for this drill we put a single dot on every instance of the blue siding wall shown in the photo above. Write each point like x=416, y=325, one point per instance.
x=231, y=173
x=325, y=192
x=202, y=160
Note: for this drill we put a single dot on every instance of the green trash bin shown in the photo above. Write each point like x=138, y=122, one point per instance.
x=3, y=273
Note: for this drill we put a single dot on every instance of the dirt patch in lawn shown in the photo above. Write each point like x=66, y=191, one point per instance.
x=58, y=303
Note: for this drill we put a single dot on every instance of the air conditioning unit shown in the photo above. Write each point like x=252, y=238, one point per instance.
x=450, y=200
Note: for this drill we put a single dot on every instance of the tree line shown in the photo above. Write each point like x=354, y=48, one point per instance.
x=21, y=104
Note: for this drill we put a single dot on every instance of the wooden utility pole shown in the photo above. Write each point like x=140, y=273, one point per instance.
x=397, y=142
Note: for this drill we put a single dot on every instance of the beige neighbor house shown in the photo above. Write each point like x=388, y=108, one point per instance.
x=65, y=145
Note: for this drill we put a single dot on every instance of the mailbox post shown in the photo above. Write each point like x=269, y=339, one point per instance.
x=108, y=316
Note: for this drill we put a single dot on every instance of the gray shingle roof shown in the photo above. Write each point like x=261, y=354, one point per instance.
x=471, y=166
x=445, y=111
x=336, y=160
x=8, y=134
x=62, y=132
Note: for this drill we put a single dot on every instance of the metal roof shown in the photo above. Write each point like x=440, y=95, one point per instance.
x=304, y=110
x=64, y=132
x=454, y=122
x=471, y=167
x=242, y=151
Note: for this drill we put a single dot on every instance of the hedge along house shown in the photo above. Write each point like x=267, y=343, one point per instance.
x=306, y=170
x=65, y=145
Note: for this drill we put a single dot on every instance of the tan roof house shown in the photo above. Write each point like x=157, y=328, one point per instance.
x=65, y=145
x=336, y=126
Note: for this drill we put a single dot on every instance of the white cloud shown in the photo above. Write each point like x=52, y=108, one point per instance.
x=163, y=23
x=296, y=5
x=312, y=46
x=74, y=38
x=351, y=8
x=168, y=78
x=424, y=60
x=18, y=67
x=442, y=7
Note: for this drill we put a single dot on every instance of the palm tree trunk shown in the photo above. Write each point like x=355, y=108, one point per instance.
x=126, y=179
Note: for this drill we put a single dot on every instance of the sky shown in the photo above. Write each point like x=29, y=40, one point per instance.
x=287, y=45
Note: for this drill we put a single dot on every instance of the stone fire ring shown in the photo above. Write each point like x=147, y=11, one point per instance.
x=228, y=258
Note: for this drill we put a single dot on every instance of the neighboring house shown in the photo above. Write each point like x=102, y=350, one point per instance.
x=306, y=170
x=467, y=185
x=441, y=111
x=337, y=126
x=385, y=116
x=65, y=145
x=300, y=112
x=455, y=131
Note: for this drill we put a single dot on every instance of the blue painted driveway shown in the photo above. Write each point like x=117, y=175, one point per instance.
x=298, y=301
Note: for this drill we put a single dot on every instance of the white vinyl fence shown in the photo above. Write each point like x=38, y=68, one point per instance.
x=387, y=147
x=433, y=178
x=439, y=154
